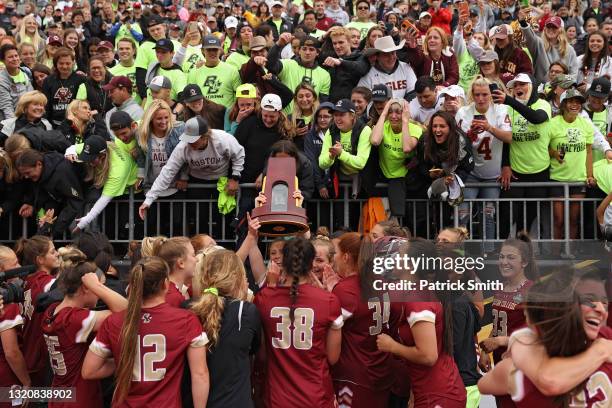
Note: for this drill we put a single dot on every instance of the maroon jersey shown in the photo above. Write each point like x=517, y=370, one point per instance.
x=360, y=360
x=508, y=314
x=441, y=383
x=164, y=335
x=67, y=336
x=596, y=392
x=174, y=297
x=10, y=319
x=298, y=370
x=34, y=347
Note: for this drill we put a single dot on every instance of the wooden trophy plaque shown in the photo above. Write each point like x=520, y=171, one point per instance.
x=280, y=215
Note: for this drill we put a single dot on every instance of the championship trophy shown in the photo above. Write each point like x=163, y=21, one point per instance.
x=281, y=215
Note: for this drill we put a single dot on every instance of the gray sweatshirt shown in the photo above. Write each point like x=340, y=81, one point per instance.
x=11, y=91
x=542, y=58
x=222, y=151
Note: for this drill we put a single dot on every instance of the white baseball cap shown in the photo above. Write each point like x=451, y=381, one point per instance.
x=271, y=102
x=454, y=90
x=231, y=22
x=522, y=77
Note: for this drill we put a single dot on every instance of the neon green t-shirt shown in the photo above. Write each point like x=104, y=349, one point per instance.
x=529, y=147
x=146, y=53
x=362, y=27
x=237, y=59
x=19, y=78
x=575, y=138
x=602, y=171
x=468, y=69
x=294, y=74
x=130, y=72
x=218, y=83
x=349, y=164
x=122, y=173
x=391, y=156
x=600, y=120
x=178, y=79
x=125, y=33
x=193, y=55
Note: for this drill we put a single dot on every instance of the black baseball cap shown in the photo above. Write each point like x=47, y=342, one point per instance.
x=192, y=93
x=600, y=88
x=381, y=93
x=164, y=44
x=94, y=145
x=120, y=120
x=210, y=41
x=154, y=20
x=344, y=105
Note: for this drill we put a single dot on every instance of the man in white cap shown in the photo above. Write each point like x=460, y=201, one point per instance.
x=388, y=70
x=453, y=98
x=231, y=29
x=208, y=153
x=277, y=22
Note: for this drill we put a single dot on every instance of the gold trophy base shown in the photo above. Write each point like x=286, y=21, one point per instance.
x=279, y=224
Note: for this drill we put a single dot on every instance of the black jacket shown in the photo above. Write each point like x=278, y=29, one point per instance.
x=303, y=172
x=347, y=75
x=465, y=161
x=46, y=140
x=312, y=149
x=94, y=127
x=59, y=94
x=256, y=139
x=98, y=98
x=286, y=27
x=59, y=188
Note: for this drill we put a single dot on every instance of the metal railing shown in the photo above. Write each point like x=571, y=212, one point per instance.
x=191, y=215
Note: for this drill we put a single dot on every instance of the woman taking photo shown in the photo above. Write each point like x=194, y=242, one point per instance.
x=197, y=105
x=301, y=325
x=61, y=87
x=595, y=62
x=127, y=337
x=68, y=325
x=396, y=137
x=312, y=148
x=13, y=368
x=28, y=113
x=15, y=81
x=92, y=91
x=40, y=252
x=436, y=60
x=426, y=340
x=158, y=135
x=488, y=128
x=305, y=104
x=552, y=46
x=247, y=102
x=28, y=33
x=571, y=157
x=233, y=328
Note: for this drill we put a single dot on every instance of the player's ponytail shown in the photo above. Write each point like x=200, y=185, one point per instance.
x=298, y=255
x=146, y=280
x=28, y=249
x=220, y=276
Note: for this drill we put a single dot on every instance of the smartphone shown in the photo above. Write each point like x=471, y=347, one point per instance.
x=389, y=27
x=479, y=117
x=493, y=87
x=300, y=123
x=193, y=26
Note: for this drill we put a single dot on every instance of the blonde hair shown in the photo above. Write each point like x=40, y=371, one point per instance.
x=339, y=32
x=69, y=256
x=297, y=111
x=26, y=99
x=461, y=232
x=442, y=35
x=479, y=80
x=99, y=174
x=562, y=45
x=5, y=254
x=224, y=271
x=16, y=144
x=325, y=242
x=149, y=243
x=6, y=165
x=71, y=111
x=171, y=249
x=144, y=130
x=36, y=39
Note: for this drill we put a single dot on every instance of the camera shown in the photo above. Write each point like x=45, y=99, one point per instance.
x=12, y=292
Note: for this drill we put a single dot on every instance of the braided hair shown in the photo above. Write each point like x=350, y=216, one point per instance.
x=298, y=255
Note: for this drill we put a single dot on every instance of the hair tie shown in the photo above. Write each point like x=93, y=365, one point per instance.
x=213, y=291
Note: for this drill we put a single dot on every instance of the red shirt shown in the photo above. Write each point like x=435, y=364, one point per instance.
x=174, y=297
x=34, y=347
x=324, y=23
x=164, y=335
x=298, y=370
x=441, y=383
x=360, y=360
x=11, y=319
x=441, y=18
x=67, y=335
x=508, y=314
x=596, y=392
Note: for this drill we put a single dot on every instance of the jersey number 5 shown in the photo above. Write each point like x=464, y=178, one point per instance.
x=381, y=313
x=143, y=364
x=500, y=323
x=301, y=335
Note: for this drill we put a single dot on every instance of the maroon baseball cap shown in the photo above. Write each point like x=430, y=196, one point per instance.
x=118, y=82
x=55, y=40
x=106, y=44
x=555, y=21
